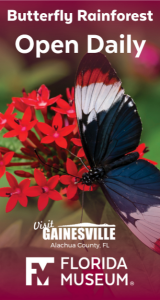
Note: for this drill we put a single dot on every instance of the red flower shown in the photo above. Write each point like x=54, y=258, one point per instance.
x=78, y=142
x=66, y=108
x=23, y=174
x=4, y=118
x=56, y=132
x=21, y=127
x=16, y=192
x=18, y=104
x=40, y=99
x=142, y=149
x=73, y=182
x=70, y=95
x=71, y=203
x=44, y=190
x=5, y=160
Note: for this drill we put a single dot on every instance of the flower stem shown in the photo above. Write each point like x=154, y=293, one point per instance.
x=27, y=142
x=31, y=233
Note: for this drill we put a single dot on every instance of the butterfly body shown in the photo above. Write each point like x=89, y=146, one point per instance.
x=93, y=176
x=110, y=130
x=96, y=174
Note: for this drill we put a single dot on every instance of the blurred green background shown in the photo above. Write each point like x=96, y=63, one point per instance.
x=140, y=76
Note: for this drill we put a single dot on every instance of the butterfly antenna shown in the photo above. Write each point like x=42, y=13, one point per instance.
x=79, y=159
x=82, y=214
x=52, y=166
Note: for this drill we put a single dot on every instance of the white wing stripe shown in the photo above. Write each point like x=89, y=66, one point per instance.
x=89, y=97
x=102, y=96
x=95, y=95
x=78, y=101
x=110, y=99
x=85, y=102
x=92, y=116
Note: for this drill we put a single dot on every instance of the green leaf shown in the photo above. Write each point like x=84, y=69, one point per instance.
x=13, y=143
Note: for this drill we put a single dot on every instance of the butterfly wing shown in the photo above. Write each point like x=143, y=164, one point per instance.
x=108, y=120
x=134, y=193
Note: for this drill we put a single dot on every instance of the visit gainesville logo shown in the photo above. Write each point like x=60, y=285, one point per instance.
x=74, y=232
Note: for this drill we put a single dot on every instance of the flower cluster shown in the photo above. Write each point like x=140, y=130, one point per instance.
x=43, y=157
x=48, y=160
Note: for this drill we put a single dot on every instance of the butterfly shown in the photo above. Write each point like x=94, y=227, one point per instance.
x=110, y=129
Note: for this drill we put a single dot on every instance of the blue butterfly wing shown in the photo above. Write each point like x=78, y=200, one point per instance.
x=108, y=120
x=134, y=193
